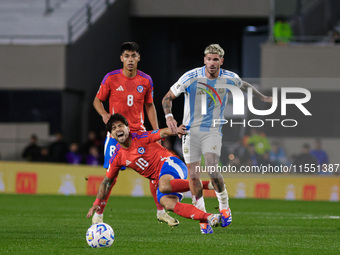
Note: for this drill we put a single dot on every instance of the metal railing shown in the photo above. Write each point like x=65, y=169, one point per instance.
x=85, y=17
x=51, y=5
x=31, y=39
x=312, y=39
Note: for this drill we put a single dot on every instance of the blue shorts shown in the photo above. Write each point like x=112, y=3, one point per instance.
x=176, y=168
x=109, y=150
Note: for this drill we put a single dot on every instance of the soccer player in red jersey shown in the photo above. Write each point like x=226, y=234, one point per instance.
x=128, y=91
x=141, y=152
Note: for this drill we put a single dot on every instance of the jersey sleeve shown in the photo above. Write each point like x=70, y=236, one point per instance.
x=154, y=135
x=232, y=78
x=113, y=171
x=104, y=89
x=238, y=81
x=179, y=86
x=148, y=136
x=149, y=93
x=114, y=167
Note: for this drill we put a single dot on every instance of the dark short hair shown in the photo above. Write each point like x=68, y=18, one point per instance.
x=129, y=46
x=114, y=118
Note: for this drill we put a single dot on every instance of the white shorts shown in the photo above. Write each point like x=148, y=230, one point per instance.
x=196, y=143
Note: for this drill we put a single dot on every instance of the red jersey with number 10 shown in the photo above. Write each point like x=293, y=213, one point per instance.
x=127, y=96
x=144, y=155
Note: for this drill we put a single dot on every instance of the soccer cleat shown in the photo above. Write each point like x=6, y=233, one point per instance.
x=214, y=220
x=206, y=228
x=165, y=217
x=97, y=218
x=225, y=217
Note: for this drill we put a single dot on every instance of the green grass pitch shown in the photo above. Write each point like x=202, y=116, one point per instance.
x=57, y=225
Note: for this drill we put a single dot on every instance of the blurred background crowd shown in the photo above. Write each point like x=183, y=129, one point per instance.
x=253, y=149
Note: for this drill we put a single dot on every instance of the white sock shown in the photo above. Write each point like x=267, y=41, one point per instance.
x=223, y=199
x=159, y=212
x=199, y=204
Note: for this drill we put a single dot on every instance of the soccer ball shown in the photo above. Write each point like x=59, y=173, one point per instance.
x=100, y=235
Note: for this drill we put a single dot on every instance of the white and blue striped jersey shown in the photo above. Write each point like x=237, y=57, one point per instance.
x=204, y=99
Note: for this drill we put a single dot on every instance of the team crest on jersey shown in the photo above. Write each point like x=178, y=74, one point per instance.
x=220, y=91
x=140, y=88
x=141, y=150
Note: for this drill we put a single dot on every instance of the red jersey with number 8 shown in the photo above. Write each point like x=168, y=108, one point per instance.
x=127, y=96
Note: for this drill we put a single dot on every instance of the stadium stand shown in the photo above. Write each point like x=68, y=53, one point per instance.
x=36, y=21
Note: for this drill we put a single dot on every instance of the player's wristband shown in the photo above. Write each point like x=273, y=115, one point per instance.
x=168, y=115
x=97, y=202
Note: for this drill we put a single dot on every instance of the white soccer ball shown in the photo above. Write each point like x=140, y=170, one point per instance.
x=100, y=235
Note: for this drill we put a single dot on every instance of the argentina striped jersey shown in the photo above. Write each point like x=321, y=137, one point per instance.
x=204, y=99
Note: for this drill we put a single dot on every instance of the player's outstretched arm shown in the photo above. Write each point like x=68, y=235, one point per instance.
x=98, y=105
x=165, y=132
x=103, y=191
x=258, y=94
x=167, y=106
